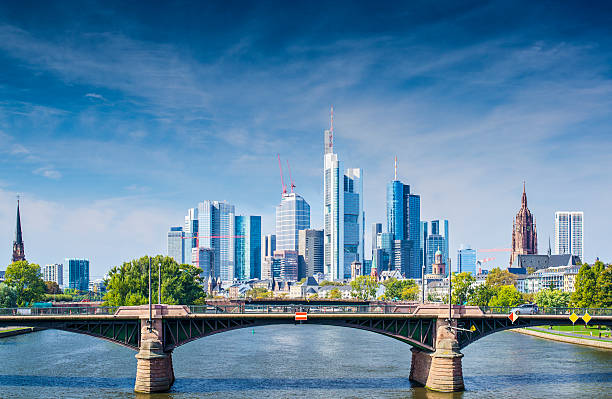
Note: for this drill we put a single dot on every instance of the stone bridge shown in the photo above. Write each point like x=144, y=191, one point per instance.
x=436, y=340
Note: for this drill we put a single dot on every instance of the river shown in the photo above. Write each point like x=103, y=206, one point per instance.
x=301, y=361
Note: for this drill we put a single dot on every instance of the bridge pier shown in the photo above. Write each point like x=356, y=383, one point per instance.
x=441, y=370
x=154, y=372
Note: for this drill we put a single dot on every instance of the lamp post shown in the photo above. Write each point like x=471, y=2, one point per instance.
x=150, y=327
x=450, y=291
x=159, y=285
x=423, y=282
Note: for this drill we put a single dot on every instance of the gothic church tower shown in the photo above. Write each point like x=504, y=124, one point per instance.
x=524, y=235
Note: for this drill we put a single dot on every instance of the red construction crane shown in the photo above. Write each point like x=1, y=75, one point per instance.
x=280, y=168
x=290, y=177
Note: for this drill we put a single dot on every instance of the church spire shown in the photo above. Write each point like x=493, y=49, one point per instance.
x=18, y=251
x=524, y=199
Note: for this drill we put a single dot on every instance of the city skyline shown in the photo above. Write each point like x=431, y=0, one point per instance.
x=107, y=154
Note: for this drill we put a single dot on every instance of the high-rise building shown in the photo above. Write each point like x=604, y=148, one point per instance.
x=216, y=231
x=292, y=215
x=524, y=235
x=190, y=232
x=377, y=228
x=383, y=256
x=466, y=260
x=285, y=265
x=404, y=224
x=568, y=233
x=54, y=272
x=437, y=239
x=310, y=252
x=204, y=258
x=76, y=274
x=18, y=250
x=248, y=247
x=176, y=244
x=342, y=212
x=269, y=245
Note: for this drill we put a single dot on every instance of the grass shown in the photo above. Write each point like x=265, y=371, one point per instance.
x=15, y=329
x=580, y=329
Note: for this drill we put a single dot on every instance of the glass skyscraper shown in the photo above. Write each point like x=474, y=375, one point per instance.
x=190, y=232
x=568, y=233
x=248, y=247
x=466, y=260
x=437, y=239
x=216, y=231
x=404, y=225
x=343, y=216
x=176, y=244
x=292, y=215
x=76, y=274
x=310, y=253
x=204, y=258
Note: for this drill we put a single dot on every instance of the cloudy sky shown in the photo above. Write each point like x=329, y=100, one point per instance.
x=115, y=117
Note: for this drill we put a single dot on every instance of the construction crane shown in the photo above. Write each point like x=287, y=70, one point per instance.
x=290, y=177
x=199, y=236
x=280, y=168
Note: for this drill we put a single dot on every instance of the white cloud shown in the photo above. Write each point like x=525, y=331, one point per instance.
x=47, y=172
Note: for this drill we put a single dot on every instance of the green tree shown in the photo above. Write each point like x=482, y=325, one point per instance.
x=258, y=293
x=552, y=299
x=128, y=284
x=326, y=282
x=8, y=296
x=481, y=295
x=531, y=270
x=26, y=278
x=51, y=287
x=406, y=290
x=506, y=295
x=364, y=287
x=335, y=294
x=603, y=298
x=462, y=287
x=585, y=287
x=498, y=278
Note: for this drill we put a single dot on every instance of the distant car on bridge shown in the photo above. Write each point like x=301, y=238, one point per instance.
x=526, y=308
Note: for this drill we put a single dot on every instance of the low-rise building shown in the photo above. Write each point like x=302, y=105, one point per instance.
x=558, y=278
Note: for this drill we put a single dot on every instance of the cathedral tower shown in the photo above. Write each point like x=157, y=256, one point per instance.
x=524, y=235
x=18, y=252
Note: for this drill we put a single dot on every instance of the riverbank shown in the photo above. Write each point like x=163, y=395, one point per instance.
x=12, y=331
x=566, y=338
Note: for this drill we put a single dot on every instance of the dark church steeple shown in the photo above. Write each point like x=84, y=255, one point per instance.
x=18, y=251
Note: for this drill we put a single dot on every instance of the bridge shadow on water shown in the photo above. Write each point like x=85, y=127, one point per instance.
x=188, y=385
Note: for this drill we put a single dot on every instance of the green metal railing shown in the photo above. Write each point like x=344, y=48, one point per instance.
x=549, y=311
x=290, y=309
x=59, y=311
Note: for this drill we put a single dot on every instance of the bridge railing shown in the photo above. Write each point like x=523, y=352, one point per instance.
x=290, y=309
x=550, y=311
x=59, y=311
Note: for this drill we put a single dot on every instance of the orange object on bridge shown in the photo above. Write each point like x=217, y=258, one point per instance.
x=299, y=316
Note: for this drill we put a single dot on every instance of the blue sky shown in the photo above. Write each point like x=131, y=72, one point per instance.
x=117, y=116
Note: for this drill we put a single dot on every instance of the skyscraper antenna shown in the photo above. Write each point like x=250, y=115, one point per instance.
x=395, y=168
x=331, y=127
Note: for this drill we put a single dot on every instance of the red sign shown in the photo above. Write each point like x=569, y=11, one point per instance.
x=513, y=316
x=301, y=316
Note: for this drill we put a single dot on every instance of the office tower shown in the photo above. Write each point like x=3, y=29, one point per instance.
x=176, y=244
x=383, y=256
x=343, y=213
x=568, y=233
x=310, y=252
x=524, y=235
x=466, y=260
x=377, y=228
x=190, y=233
x=54, y=272
x=216, y=231
x=437, y=239
x=269, y=245
x=18, y=250
x=204, y=258
x=248, y=247
x=423, y=238
x=76, y=274
x=292, y=215
x=404, y=224
x=285, y=265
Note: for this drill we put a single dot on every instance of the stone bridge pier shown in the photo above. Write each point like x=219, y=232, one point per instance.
x=441, y=370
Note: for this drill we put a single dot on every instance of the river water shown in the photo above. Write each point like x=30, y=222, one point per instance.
x=301, y=361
